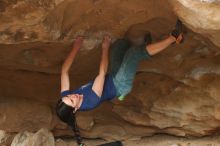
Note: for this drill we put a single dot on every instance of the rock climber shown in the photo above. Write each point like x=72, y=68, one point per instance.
x=124, y=59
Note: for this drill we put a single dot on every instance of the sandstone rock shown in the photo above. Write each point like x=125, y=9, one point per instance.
x=175, y=145
x=184, y=107
x=62, y=20
x=21, y=138
x=3, y=136
x=41, y=138
x=85, y=121
x=60, y=142
x=24, y=115
x=174, y=92
x=6, y=138
x=193, y=14
x=108, y=132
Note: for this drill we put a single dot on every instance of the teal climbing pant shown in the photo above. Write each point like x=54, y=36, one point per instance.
x=124, y=60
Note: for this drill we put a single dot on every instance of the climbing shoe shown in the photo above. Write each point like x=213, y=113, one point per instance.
x=178, y=30
x=148, y=38
x=121, y=98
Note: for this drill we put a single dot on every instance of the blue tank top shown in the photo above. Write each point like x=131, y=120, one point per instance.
x=90, y=98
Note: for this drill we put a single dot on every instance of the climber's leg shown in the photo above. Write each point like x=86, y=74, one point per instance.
x=118, y=50
x=125, y=75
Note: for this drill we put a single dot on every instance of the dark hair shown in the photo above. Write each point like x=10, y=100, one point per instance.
x=65, y=113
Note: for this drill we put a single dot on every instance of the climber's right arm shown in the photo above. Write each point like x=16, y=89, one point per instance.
x=65, y=82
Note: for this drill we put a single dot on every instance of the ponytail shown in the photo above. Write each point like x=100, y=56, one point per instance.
x=73, y=124
x=65, y=113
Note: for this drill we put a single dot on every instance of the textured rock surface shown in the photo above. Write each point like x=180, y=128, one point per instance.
x=157, y=140
x=60, y=142
x=3, y=136
x=51, y=20
x=175, y=92
x=200, y=16
x=41, y=138
x=20, y=115
x=6, y=138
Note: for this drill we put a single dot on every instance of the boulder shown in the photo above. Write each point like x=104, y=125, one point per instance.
x=192, y=13
x=174, y=92
x=41, y=138
x=21, y=115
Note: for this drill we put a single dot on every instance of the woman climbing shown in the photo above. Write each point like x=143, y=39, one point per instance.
x=124, y=59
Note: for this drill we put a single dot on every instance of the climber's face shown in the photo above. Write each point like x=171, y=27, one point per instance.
x=73, y=100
